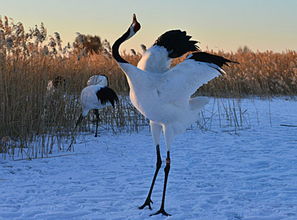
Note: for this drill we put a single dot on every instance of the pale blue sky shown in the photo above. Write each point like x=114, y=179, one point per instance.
x=217, y=24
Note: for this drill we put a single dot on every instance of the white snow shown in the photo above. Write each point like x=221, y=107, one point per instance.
x=217, y=174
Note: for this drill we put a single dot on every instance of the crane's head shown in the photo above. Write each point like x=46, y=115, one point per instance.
x=98, y=80
x=135, y=25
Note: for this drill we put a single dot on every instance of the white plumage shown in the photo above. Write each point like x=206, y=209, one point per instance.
x=89, y=100
x=155, y=59
x=163, y=94
x=165, y=98
x=88, y=97
x=176, y=104
x=96, y=96
x=97, y=80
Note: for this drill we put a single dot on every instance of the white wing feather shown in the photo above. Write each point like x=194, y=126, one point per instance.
x=175, y=85
x=180, y=82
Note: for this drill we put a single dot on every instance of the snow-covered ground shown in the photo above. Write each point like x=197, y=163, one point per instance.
x=215, y=174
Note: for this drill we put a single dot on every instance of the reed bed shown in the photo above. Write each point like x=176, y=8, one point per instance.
x=34, y=124
x=259, y=73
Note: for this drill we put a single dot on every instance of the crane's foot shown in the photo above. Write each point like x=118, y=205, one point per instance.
x=148, y=203
x=161, y=211
x=69, y=148
x=96, y=134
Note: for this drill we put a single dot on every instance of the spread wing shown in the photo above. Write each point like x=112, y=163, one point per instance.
x=180, y=82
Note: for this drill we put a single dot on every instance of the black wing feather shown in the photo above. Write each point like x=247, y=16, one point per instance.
x=210, y=58
x=106, y=94
x=177, y=43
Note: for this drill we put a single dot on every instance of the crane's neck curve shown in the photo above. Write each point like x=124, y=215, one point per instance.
x=115, y=47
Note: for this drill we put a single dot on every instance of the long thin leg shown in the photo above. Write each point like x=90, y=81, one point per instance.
x=148, y=200
x=80, y=118
x=96, y=112
x=166, y=170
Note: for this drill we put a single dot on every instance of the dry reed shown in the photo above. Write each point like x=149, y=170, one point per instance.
x=29, y=118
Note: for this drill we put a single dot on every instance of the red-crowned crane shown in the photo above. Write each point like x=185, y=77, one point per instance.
x=163, y=94
x=96, y=95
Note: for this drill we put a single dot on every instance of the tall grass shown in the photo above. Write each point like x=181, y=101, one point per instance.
x=33, y=124
x=259, y=73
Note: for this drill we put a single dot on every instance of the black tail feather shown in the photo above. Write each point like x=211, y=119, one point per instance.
x=210, y=58
x=177, y=43
x=106, y=94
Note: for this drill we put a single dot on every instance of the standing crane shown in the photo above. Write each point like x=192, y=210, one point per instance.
x=163, y=94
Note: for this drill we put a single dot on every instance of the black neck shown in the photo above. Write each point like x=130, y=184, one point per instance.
x=115, y=47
